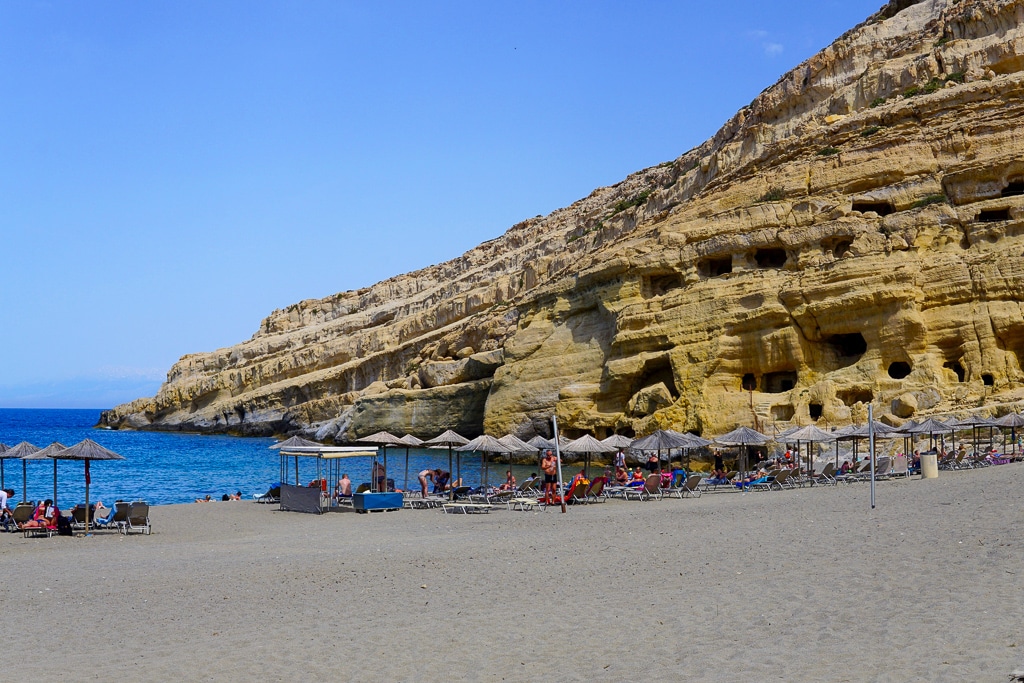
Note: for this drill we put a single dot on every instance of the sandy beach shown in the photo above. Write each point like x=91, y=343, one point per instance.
x=801, y=585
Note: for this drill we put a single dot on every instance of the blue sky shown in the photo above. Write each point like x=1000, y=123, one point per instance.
x=174, y=171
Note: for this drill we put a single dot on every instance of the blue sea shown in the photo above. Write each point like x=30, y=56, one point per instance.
x=163, y=468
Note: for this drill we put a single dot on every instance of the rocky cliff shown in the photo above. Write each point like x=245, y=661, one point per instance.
x=854, y=236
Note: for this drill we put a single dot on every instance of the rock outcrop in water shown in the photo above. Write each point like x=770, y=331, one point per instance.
x=855, y=235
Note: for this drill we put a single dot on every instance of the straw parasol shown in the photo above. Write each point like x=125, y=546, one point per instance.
x=663, y=439
x=383, y=440
x=587, y=444
x=484, y=444
x=409, y=441
x=87, y=450
x=20, y=451
x=743, y=438
x=295, y=442
x=809, y=434
x=617, y=441
x=3, y=449
x=448, y=438
x=1011, y=420
x=49, y=453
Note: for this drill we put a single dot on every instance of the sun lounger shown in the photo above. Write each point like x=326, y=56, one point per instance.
x=595, y=494
x=138, y=519
x=273, y=495
x=466, y=508
x=651, y=488
x=578, y=493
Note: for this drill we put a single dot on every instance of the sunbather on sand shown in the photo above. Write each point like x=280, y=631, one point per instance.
x=207, y=499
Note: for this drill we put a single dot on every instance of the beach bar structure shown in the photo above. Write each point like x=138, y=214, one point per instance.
x=328, y=461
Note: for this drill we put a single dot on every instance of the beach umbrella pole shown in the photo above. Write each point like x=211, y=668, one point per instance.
x=86, y=496
x=558, y=458
x=24, y=480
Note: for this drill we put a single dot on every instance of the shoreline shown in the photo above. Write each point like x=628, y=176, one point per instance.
x=802, y=585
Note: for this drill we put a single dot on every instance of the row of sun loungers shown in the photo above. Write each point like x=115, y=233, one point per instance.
x=124, y=518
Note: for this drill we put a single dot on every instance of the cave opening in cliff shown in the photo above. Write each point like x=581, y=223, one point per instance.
x=993, y=215
x=957, y=368
x=815, y=410
x=749, y=382
x=659, y=285
x=899, y=369
x=1014, y=188
x=783, y=413
x=881, y=208
x=778, y=382
x=657, y=370
x=851, y=397
x=848, y=347
x=770, y=257
x=988, y=380
x=841, y=248
x=715, y=267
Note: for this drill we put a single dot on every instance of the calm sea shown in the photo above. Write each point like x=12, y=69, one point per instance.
x=164, y=468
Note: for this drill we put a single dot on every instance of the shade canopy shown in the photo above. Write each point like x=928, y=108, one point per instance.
x=21, y=450
x=742, y=436
x=663, y=439
x=484, y=444
x=516, y=445
x=588, y=444
x=382, y=439
x=87, y=449
x=882, y=430
x=448, y=438
x=1013, y=420
x=810, y=434
x=411, y=441
x=48, y=453
x=617, y=441
x=295, y=442
x=538, y=442
x=929, y=426
x=970, y=421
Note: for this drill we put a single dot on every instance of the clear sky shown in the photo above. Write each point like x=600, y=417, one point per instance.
x=171, y=172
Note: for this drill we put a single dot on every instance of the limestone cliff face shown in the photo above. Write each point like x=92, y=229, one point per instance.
x=855, y=235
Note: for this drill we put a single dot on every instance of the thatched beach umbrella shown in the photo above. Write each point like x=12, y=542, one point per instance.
x=742, y=438
x=1011, y=420
x=409, y=441
x=20, y=451
x=3, y=449
x=295, y=442
x=450, y=439
x=587, y=444
x=87, y=450
x=383, y=440
x=809, y=435
x=49, y=453
x=484, y=444
x=516, y=445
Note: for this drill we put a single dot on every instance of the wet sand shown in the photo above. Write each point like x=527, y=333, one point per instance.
x=801, y=585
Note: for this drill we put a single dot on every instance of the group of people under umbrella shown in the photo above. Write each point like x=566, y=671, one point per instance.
x=86, y=450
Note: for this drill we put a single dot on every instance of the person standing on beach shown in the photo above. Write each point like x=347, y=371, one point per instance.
x=6, y=516
x=549, y=466
x=620, y=459
x=423, y=476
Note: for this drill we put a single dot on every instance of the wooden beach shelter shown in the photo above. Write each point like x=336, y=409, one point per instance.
x=87, y=450
x=931, y=427
x=742, y=438
x=808, y=435
x=975, y=422
x=661, y=440
x=49, y=453
x=515, y=445
x=410, y=441
x=381, y=440
x=3, y=449
x=587, y=445
x=20, y=451
x=450, y=439
x=298, y=498
x=483, y=444
x=1012, y=420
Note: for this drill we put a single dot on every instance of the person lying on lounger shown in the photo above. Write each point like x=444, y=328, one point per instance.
x=45, y=515
x=510, y=482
